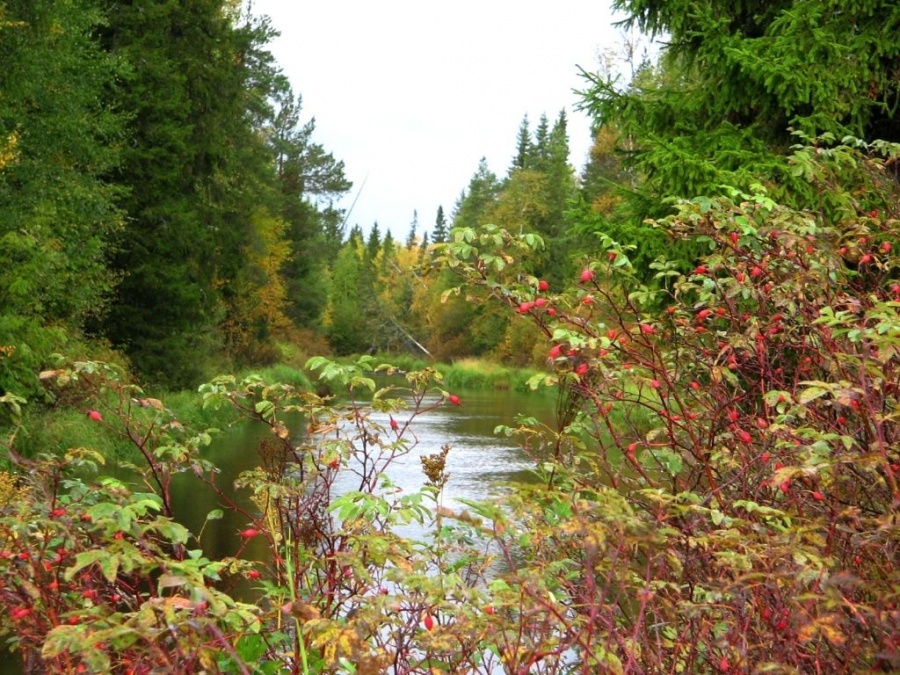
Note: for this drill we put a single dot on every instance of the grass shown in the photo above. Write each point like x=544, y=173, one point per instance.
x=467, y=373
x=472, y=373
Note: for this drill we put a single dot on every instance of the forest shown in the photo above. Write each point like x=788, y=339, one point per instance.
x=713, y=298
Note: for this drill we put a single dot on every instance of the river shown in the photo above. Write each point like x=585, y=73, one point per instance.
x=480, y=464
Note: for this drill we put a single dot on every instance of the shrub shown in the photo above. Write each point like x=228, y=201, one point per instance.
x=722, y=494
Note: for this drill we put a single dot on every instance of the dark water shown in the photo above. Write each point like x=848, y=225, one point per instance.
x=480, y=464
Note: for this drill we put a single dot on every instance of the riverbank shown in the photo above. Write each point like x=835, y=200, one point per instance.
x=66, y=425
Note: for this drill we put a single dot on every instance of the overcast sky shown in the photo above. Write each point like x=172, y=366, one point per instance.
x=412, y=93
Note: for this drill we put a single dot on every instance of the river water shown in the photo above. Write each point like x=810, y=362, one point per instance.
x=480, y=464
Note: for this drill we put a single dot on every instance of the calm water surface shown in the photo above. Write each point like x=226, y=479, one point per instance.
x=480, y=463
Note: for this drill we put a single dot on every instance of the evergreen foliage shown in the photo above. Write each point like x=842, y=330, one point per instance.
x=736, y=78
x=440, y=232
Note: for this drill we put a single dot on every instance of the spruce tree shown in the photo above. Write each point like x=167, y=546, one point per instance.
x=482, y=190
x=413, y=226
x=440, y=234
x=523, y=146
x=736, y=79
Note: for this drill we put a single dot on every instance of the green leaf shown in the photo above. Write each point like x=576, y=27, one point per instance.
x=215, y=514
x=82, y=560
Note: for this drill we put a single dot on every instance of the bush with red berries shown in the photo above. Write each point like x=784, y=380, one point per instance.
x=723, y=491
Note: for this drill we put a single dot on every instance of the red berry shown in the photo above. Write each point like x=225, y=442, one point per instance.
x=818, y=496
x=454, y=399
x=552, y=311
x=654, y=384
x=700, y=269
x=394, y=425
x=647, y=329
x=555, y=351
x=734, y=237
x=695, y=386
x=744, y=436
x=587, y=276
x=756, y=272
x=582, y=369
x=543, y=286
x=702, y=314
x=95, y=415
x=525, y=307
x=428, y=621
x=540, y=302
x=866, y=259
x=632, y=447
x=253, y=574
x=489, y=609
x=58, y=513
x=740, y=277
x=249, y=533
x=611, y=255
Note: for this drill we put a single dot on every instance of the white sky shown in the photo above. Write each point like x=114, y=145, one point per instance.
x=412, y=93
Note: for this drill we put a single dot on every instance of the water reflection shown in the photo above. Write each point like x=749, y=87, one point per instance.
x=480, y=463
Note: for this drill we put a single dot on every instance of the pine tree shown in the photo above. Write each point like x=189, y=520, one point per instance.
x=307, y=176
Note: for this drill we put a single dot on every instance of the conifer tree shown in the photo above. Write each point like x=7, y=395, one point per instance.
x=308, y=176
x=190, y=168
x=477, y=198
x=737, y=78
x=413, y=226
x=439, y=236
x=523, y=146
